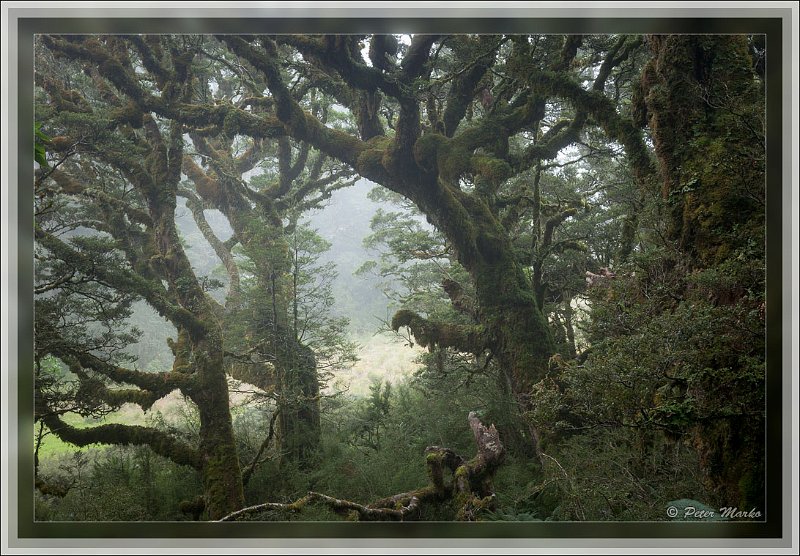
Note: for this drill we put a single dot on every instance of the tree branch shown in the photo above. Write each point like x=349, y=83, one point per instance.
x=459, y=298
x=462, y=89
x=303, y=126
x=159, y=384
x=341, y=506
x=121, y=280
x=602, y=109
x=331, y=51
x=194, y=204
x=264, y=445
x=463, y=337
x=160, y=442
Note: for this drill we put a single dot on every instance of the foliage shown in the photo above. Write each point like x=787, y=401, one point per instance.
x=40, y=141
x=314, y=318
x=118, y=484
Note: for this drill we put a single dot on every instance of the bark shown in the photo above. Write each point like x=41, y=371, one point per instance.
x=221, y=472
x=702, y=101
x=160, y=442
x=704, y=87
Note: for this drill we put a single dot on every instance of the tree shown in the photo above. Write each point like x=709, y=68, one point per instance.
x=677, y=332
x=451, y=154
x=260, y=186
x=120, y=167
x=703, y=100
x=255, y=216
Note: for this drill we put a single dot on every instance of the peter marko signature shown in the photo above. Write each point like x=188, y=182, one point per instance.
x=728, y=512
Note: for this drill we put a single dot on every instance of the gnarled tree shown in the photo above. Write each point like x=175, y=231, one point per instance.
x=121, y=166
x=458, y=117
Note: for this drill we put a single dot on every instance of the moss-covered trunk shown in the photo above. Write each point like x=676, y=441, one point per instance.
x=704, y=105
x=299, y=420
x=221, y=472
x=200, y=352
x=522, y=341
x=294, y=363
x=515, y=328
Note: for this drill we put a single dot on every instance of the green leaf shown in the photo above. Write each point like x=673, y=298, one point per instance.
x=39, y=152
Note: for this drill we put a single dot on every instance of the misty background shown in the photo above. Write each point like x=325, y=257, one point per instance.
x=344, y=222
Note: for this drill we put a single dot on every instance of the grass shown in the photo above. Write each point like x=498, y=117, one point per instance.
x=381, y=357
x=128, y=414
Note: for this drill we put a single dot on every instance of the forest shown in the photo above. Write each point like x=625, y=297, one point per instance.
x=467, y=277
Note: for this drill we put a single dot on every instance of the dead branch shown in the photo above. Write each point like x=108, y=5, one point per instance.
x=469, y=486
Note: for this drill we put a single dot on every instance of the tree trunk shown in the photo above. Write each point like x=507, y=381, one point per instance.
x=298, y=404
x=221, y=472
x=515, y=328
x=695, y=94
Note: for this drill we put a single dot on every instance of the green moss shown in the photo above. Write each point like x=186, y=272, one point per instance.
x=704, y=106
x=453, y=163
x=490, y=135
x=222, y=481
x=434, y=457
x=436, y=471
x=369, y=158
x=494, y=170
x=426, y=150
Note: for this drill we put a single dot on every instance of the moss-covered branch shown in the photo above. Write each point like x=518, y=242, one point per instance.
x=604, y=112
x=288, y=171
x=461, y=301
x=553, y=223
x=160, y=442
x=301, y=199
x=149, y=59
x=196, y=206
x=260, y=375
x=219, y=117
x=463, y=337
x=364, y=513
x=302, y=126
x=413, y=63
x=332, y=51
x=159, y=384
x=462, y=87
x=73, y=186
x=558, y=137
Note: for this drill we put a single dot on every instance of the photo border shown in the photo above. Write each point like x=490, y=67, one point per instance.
x=771, y=21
